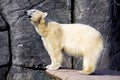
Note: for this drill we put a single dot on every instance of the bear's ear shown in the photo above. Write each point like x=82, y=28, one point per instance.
x=44, y=14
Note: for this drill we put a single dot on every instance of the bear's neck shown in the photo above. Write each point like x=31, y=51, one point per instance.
x=42, y=28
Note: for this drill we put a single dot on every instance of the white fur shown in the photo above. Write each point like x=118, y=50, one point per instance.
x=78, y=37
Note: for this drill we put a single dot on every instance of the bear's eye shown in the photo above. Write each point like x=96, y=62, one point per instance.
x=35, y=22
x=34, y=11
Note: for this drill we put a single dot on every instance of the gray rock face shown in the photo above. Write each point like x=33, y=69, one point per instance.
x=115, y=39
x=18, y=73
x=4, y=49
x=3, y=25
x=3, y=72
x=4, y=43
x=28, y=53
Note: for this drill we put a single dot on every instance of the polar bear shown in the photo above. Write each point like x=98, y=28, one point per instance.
x=74, y=39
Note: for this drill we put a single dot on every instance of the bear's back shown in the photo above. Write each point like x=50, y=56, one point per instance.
x=79, y=30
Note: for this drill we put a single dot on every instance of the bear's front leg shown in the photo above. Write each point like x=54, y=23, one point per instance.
x=56, y=59
x=55, y=54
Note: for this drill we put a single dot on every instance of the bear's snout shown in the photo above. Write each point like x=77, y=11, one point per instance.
x=27, y=14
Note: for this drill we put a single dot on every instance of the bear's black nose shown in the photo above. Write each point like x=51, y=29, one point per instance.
x=27, y=15
x=25, y=12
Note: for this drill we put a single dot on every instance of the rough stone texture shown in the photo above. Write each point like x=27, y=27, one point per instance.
x=19, y=73
x=27, y=47
x=4, y=44
x=3, y=72
x=3, y=25
x=96, y=13
x=66, y=74
x=4, y=50
x=115, y=49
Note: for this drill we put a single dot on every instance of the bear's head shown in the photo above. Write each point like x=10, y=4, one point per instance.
x=35, y=16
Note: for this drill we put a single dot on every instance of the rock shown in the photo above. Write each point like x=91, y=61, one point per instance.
x=3, y=25
x=19, y=73
x=4, y=50
x=4, y=71
x=67, y=74
x=115, y=39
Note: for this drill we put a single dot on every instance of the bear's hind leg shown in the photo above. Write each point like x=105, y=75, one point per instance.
x=89, y=64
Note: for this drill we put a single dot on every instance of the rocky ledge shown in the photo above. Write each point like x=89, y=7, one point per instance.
x=68, y=74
